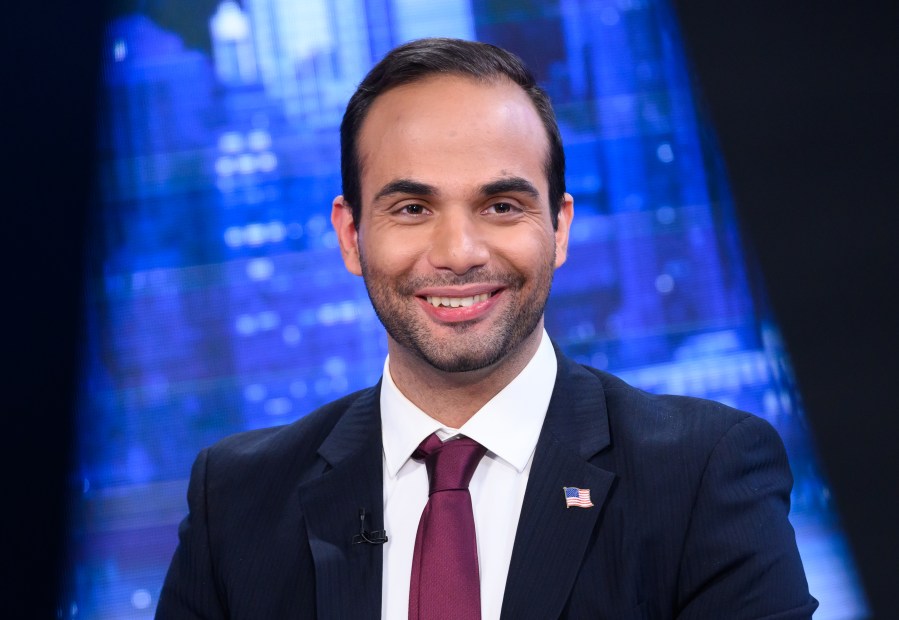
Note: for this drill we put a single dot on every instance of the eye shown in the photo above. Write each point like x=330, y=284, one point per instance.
x=501, y=207
x=412, y=209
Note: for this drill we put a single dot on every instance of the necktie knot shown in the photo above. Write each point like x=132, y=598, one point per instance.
x=450, y=464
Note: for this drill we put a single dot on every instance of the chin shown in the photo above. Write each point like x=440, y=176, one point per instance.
x=460, y=364
x=477, y=352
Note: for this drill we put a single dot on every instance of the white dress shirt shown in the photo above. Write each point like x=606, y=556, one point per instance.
x=508, y=426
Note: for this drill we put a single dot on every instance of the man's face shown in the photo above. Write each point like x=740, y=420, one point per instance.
x=455, y=244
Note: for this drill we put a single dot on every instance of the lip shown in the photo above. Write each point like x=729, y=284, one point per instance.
x=459, y=315
x=468, y=290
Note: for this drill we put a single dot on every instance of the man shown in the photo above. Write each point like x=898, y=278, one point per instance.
x=583, y=497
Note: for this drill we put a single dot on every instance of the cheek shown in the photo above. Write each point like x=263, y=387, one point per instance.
x=389, y=256
x=531, y=252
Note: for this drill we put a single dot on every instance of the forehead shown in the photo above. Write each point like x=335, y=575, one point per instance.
x=452, y=130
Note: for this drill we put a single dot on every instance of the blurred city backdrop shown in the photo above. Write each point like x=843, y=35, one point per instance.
x=218, y=302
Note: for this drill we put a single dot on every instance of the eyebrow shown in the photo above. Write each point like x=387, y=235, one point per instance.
x=406, y=186
x=510, y=185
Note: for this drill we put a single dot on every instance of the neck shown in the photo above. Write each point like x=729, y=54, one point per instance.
x=452, y=398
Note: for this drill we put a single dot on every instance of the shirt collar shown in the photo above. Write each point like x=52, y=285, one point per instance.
x=508, y=425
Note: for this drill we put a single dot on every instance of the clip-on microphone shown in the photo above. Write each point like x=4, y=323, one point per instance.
x=378, y=537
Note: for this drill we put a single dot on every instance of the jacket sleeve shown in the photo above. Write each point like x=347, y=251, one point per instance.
x=740, y=558
x=189, y=591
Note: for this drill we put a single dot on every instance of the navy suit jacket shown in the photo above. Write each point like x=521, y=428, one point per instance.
x=690, y=516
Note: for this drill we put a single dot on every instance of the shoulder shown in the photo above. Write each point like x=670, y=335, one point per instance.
x=284, y=451
x=700, y=501
x=630, y=405
x=665, y=425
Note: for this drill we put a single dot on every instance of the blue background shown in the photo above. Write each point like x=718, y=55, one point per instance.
x=175, y=281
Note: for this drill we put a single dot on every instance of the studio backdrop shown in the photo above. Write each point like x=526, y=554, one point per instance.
x=218, y=301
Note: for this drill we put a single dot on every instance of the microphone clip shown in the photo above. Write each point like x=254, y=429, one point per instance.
x=378, y=537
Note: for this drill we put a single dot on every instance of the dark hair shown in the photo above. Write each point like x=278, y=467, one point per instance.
x=419, y=59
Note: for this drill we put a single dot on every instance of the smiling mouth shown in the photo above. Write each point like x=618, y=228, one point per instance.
x=457, y=302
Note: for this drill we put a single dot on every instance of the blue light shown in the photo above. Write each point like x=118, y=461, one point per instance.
x=224, y=304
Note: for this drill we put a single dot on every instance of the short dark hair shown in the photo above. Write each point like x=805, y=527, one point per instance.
x=423, y=58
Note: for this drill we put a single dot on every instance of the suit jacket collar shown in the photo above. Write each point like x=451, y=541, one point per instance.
x=551, y=539
x=347, y=574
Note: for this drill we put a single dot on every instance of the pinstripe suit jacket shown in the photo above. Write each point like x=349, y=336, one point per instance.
x=690, y=516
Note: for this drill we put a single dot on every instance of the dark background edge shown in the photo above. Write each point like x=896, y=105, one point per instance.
x=803, y=98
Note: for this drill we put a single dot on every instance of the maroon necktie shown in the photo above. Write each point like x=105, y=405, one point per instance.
x=445, y=579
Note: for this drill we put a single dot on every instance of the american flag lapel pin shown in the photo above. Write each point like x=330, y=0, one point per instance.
x=579, y=498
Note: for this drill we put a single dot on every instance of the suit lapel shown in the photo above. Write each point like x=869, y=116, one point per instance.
x=551, y=539
x=347, y=575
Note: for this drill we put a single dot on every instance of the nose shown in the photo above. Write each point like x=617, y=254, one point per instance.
x=459, y=243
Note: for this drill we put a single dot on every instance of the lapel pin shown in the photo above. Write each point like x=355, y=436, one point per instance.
x=579, y=498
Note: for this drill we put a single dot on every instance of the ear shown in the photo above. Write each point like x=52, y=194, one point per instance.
x=566, y=214
x=347, y=235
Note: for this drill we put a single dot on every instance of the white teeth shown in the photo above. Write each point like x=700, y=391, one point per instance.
x=456, y=302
